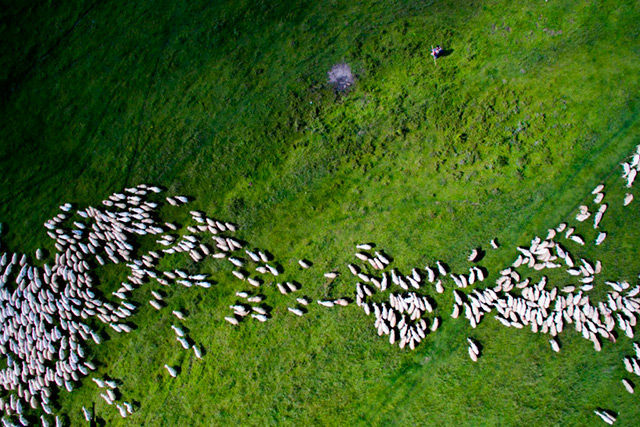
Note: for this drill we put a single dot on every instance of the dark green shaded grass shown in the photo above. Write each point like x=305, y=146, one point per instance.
x=228, y=103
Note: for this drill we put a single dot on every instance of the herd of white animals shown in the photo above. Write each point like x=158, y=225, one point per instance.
x=46, y=308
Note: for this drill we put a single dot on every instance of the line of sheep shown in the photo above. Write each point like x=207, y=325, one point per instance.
x=44, y=311
x=101, y=236
x=549, y=311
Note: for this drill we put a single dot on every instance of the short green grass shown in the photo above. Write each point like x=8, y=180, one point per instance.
x=227, y=102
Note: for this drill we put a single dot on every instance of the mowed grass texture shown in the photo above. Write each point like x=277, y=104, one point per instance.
x=227, y=102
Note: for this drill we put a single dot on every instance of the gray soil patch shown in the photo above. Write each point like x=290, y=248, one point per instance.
x=341, y=77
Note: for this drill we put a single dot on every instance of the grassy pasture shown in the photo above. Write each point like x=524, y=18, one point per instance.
x=227, y=102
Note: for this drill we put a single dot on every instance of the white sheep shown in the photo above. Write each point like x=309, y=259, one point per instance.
x=296, y=311
x=472, y=354
x=609, y=419
x=326, y=303
x=171, y=371
x=303, y=264
x=86, y=413
x=231, y=320
x=259, y=317
x=197, y=352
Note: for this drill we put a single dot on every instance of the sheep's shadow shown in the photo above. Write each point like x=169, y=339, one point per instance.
x=445, y=53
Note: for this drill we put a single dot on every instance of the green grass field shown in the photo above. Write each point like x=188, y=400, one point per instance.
x=228, y=102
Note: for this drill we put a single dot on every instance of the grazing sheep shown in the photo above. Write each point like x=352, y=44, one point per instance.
x=238, y=274
x=296, y=311
x=259, y=317
x=456, y=311
x=282, y=289
x=382, y=258
x=196, y=352
x=441, y=269
x=106, y=399
x=236, y=262
x=472, y=354
x=577, y=239
x=273, y=270
x=598, y=198
x=631, y=177
x=259, y=310
x=253, y=256
x=606, y=417
x=171, y=371
x=362, y=256
x=431, y=275
x=473, y=347
x=122, y=411
x=231, y=320
x=178, y=331
x=303, y=264
x=326, y=303
x=108, y=233
x=87, y=414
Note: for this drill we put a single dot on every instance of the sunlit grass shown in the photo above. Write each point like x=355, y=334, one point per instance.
x=228, y=103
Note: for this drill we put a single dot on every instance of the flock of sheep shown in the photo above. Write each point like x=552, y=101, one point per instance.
x=46, y=307
x=45, y=310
